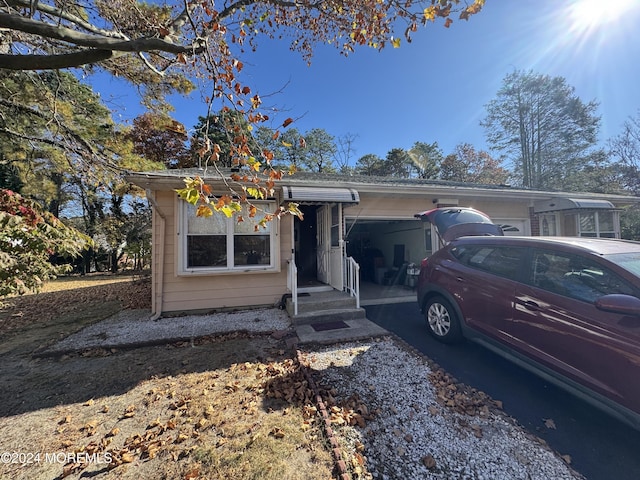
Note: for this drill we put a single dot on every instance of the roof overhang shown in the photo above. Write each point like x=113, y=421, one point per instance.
x=319, y=195
x=563, y=203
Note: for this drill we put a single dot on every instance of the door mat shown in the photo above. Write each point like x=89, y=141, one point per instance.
x=321, y=327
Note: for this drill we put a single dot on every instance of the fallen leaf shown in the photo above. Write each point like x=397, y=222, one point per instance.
x=127, y=457
x=549, y=423
x=201, y=423
x=191, y=474
x=129, y=412
x=153, y=424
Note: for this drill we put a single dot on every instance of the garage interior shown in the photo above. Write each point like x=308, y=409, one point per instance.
x=389, y=251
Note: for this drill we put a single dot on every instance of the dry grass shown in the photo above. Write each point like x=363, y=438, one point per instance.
x=234, y=407
x=92, y=280
x=63, y=300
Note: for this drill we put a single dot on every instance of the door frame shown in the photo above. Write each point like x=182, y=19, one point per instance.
x=329, y=238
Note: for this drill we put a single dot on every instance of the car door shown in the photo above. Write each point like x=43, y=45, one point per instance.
x=485, y=286
x=557, y=324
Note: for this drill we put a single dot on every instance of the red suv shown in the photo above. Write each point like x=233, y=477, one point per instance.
x=566, y=308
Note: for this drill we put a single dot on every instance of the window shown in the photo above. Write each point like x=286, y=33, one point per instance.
x=597, y=224
x=548, y=225
x=576, y=277
x=218, y=244
x=502, y=261
x=428, y=239
x=335, y=225
x=592, y=224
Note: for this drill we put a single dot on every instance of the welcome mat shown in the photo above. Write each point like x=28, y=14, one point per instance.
x=322, y=327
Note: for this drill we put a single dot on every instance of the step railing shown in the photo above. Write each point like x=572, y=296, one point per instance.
x=292, y=283
x=352, y=275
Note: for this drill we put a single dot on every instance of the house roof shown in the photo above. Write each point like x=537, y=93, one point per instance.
x=365, y=184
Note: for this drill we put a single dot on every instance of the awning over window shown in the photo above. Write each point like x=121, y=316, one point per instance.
x=561, y=203
x=319, y=195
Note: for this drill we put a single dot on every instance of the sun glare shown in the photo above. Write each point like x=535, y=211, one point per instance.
x=589, y=15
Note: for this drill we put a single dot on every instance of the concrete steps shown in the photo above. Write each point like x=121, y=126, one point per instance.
x=324, y=307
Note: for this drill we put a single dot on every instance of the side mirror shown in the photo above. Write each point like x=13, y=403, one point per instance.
x=618, y=303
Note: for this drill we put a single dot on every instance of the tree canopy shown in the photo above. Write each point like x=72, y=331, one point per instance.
x=160, y=139
x=625, y=150
x=468, y=165
x=545, y=130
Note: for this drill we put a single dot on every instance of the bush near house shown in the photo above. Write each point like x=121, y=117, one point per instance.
x=29, y=237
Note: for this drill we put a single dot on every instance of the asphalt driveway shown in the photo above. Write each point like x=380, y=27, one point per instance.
x=600, y=447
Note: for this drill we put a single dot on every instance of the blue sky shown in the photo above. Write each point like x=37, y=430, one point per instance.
x=436, y=88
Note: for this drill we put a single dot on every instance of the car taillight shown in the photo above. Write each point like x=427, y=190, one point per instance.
x=424, y=262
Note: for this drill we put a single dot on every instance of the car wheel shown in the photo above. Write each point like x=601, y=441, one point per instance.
x=442, y=320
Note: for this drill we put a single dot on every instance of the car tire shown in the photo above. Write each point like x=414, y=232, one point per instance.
x=442, y=320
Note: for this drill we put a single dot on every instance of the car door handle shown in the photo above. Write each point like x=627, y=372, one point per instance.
x=529, y=305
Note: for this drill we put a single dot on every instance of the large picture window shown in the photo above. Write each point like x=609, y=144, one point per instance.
x=220, y=244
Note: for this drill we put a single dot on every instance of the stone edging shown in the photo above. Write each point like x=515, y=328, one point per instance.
x=340, y=464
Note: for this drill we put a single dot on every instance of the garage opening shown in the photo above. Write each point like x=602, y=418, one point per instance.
x=389, y=251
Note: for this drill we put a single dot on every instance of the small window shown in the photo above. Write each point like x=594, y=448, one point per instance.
x=335, y=225
x=218, y=243
x=548, y=225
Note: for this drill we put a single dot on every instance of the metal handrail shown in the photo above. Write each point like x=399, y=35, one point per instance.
x=292, y=284
x=352, y=273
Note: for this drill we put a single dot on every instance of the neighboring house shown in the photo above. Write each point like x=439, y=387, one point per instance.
x=216, y=263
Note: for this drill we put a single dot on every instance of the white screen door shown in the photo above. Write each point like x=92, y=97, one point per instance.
x=323, y=242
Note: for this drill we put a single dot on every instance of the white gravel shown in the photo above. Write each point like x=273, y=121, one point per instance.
x=135, y=327
x=411, y=427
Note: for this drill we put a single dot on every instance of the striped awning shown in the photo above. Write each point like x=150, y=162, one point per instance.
x=319, y=195
x=563, y=203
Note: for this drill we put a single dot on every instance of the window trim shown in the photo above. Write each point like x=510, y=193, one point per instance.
x=182, y=236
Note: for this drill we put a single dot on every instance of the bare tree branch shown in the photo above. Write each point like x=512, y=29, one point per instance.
x=68, y=35
x=64, y=15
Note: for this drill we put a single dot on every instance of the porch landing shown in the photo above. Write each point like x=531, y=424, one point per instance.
x=353, y=330
x=329, y=317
